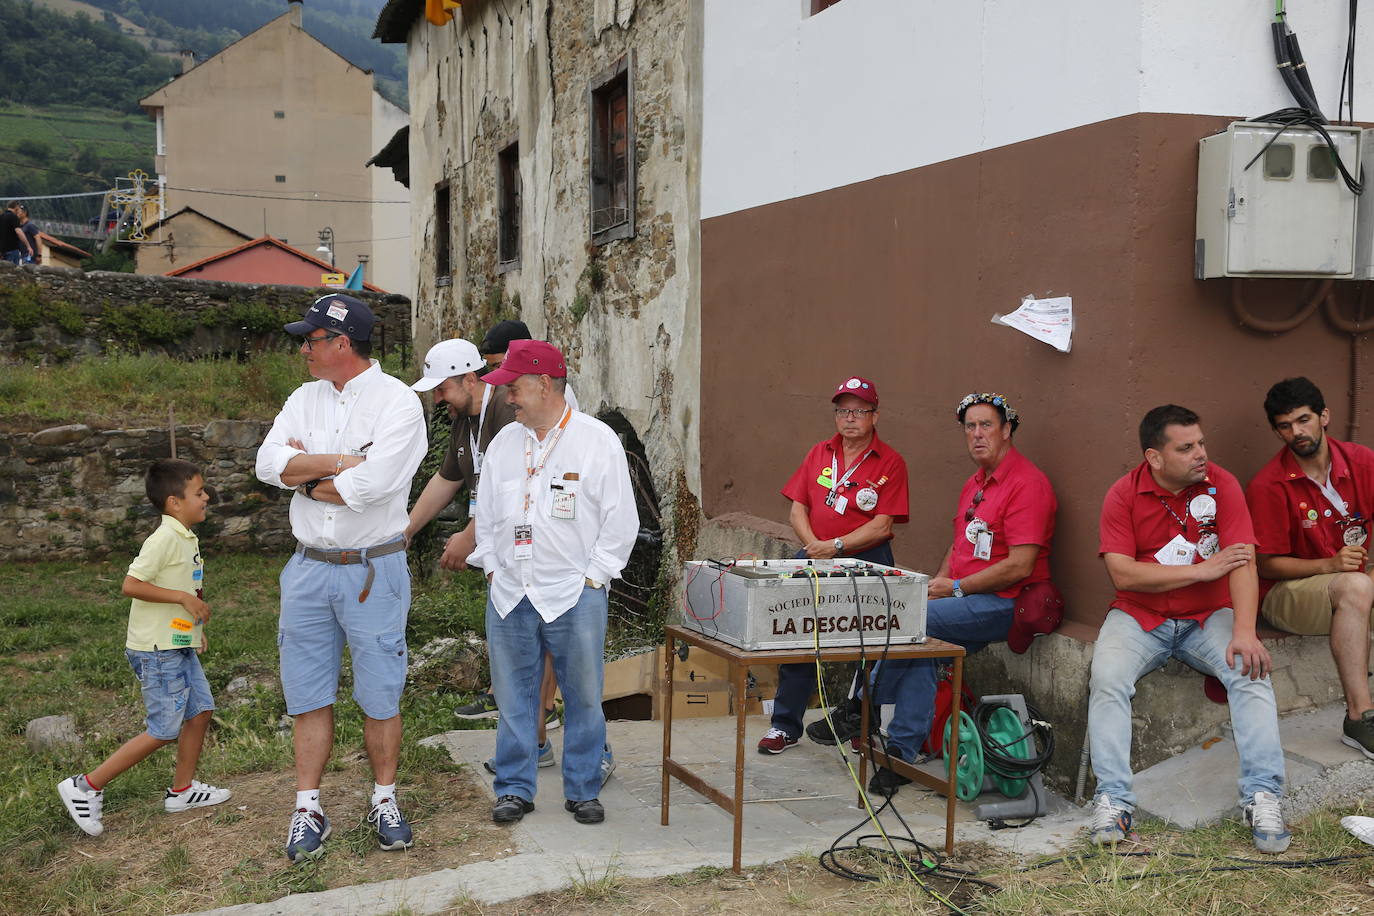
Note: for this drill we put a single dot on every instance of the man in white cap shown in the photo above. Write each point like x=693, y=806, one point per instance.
x=453, y=370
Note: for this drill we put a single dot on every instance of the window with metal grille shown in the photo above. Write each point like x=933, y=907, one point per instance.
x=508, y=194
x=612, y=156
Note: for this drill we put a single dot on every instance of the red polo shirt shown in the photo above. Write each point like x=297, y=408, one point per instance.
x=1018, y=506
x=880, y=469
x=1294, y=518
x=1137, y=522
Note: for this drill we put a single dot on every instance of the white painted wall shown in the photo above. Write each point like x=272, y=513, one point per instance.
x=794, y=104
x=391, y=266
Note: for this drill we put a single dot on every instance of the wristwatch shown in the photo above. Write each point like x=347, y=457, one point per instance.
x=958, y=591
x=309, y=488
x=839, y=546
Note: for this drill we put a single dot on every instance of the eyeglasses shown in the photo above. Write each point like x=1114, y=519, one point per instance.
x=977, y=498
x=857, y=412
x=311, y=341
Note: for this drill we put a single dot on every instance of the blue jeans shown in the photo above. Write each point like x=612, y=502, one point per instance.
x=797, y=682
x=1124, y=653
x=516, y=647
x=174, y=688
x=972, y=621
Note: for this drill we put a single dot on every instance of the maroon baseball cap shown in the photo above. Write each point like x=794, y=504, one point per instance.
x=528, y=357
x=861, y=388
x=1038, y=610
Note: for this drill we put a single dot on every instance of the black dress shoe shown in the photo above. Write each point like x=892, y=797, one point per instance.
x=510, y=808
x=886, y=782
x=586, y=812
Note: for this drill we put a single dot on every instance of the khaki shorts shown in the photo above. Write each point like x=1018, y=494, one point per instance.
x=1300, y=606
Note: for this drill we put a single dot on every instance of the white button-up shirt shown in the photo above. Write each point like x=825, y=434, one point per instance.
x=374, y=415
x=589, y=463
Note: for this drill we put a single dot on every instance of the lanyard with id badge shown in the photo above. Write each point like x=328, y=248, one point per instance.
x=476, y=453
x=1182, y=552
x=835, y=499
x=524, y=532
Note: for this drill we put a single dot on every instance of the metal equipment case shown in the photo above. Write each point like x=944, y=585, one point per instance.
x=771, y=604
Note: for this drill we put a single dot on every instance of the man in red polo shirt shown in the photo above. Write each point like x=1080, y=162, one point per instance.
x=846, y=496
x=1003, y=526
x=1179, y=547
x=1312, y=504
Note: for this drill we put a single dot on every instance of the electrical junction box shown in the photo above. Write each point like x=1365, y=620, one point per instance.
x=1275, y=209
x=1364, y=219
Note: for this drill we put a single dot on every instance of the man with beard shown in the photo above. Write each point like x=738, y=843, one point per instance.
x=1311, y=505
x=1179, y=547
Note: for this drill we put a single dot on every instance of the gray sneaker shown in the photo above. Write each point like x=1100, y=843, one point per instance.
x=1264, y=814
x=607, y=765
x=1359, y=733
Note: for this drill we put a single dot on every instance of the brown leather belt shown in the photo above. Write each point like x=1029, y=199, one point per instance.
x=349, y=557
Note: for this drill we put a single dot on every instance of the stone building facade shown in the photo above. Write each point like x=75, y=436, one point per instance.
x=552, y=180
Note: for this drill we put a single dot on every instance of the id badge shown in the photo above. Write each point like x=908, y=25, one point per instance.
x=564, y=505
x=982, y=545
x=841, y=503
x=524, y=542
x=472, y=506
x=1178, y=552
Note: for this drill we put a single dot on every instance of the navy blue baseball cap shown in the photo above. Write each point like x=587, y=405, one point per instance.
x=338, y=313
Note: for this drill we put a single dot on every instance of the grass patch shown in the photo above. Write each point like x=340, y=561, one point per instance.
x=61, y=652
x=136, y=389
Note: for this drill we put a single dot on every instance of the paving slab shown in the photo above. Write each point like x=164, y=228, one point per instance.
x=797, y=803
x=1198, y=787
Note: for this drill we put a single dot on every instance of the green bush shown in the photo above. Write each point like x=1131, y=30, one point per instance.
x=20, y=308
x=67, y=317
x=141, y=322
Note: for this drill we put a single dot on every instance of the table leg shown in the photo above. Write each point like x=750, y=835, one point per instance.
x=741, y=678
x=865, y=724
x=666, y=698
x=953, y=753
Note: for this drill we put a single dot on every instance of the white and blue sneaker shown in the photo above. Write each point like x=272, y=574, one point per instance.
x=607, y=764
x=1264, y=814
x=305, y=839
x=392, y=830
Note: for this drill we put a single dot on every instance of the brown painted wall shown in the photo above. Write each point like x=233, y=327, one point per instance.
x=897, y=278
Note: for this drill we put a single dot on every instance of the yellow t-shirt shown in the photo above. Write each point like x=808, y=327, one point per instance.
x=170, y=558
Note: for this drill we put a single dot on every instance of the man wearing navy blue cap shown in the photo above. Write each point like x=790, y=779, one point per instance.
x=348, y=444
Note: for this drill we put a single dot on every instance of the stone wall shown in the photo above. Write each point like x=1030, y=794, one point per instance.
x=51, y=314
x=73, y=492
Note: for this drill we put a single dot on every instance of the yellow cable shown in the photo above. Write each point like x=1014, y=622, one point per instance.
x=854, y=776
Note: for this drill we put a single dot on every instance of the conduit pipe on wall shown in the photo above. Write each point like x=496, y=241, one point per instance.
x=1325, y=296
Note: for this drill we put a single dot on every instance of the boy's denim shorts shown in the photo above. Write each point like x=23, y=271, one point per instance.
x=174, y=688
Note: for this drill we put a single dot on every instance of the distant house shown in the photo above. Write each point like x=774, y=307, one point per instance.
x=56, y=253
x=183, y=237
x=264, y=260
x=273, y=134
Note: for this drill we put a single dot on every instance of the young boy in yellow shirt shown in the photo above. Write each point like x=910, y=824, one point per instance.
x=165, y=636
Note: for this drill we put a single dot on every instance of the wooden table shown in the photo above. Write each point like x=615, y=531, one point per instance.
x=740, y=661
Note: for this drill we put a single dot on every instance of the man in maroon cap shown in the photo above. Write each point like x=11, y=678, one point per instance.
x=556, y=521
x=993, y=580
x=846, y=496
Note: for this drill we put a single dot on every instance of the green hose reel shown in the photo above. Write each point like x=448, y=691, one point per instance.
x=1003, y=731
x=969, y=772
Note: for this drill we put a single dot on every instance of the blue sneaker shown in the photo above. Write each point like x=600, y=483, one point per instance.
x=305, y=839
x=392, y=830
x=1111, y=822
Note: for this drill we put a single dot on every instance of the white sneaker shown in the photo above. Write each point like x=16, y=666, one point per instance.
x=1264, y=814
x=83, y=806
x=199, y=795
x=1361, y=827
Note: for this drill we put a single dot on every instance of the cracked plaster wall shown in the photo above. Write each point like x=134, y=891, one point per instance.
x=520, y=70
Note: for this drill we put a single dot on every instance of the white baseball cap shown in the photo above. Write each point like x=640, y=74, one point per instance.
x=446, y=359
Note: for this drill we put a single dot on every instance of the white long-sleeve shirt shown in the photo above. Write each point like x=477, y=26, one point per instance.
x=587, y=462
x=374, y=415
